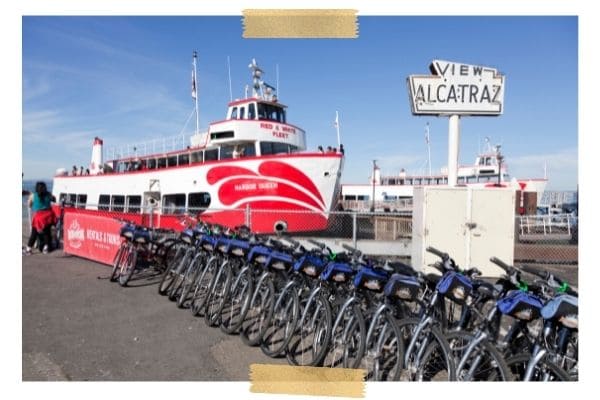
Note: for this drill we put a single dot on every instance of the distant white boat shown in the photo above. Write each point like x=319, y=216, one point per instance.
x=395, y=192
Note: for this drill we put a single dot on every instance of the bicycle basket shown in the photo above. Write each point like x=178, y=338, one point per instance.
x=141, y=236
x=187, y=236
x=369, y=278
x=259, y=254
x=239, y=247
x=209, y=242
x=337, y=272
x=310, y=265
x=127, y=231
x=280, y=261
x=455, y=286
x=402, y=287
x=520, y=305
x=563, y=308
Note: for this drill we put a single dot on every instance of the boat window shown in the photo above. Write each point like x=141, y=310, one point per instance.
x=275, y=148
x=81, y=200
x=172, y=161
x=62, y=198
x=198, y=202
x=363, y=198
x=184, y=159
x=104, y=202
x=242, y=112
x=226, y=152
x=133, y=204
x=196, y=157
x=161, y=163
x=461, y=180
x=249, y=149
x=151, y=163
x=173, y=203
x=117, y=203
x=234, y=113
x=221, y=135
x=350, y=197
x=271, y=112
x=210, y=155
x=251, y=111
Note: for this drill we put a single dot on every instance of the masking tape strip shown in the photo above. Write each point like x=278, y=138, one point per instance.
x=312, y=381
x=340, y=24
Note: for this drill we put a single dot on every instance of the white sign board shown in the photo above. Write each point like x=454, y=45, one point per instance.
x=457, y=89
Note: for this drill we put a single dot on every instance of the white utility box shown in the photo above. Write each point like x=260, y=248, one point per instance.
x=471, y=225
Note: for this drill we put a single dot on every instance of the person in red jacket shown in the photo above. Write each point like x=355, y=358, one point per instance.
x=43, y=217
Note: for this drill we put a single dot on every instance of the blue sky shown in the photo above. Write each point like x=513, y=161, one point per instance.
x=127, y=79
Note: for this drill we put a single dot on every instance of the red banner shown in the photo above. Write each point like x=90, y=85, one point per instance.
x=90, y=236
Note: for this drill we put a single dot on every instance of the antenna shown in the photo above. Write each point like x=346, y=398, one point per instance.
x=277, y=80
x=229, y=72
x=195, y=92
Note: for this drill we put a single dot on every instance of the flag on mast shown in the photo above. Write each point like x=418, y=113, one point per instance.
x=427, y=133
x=193, y=84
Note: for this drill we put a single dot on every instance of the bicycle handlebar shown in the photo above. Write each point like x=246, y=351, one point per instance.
x=350, y=248
x=439, y=253
x=509, y=269
x=318, y=244
x=550, y=278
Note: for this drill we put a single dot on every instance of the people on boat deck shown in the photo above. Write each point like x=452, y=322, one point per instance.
x=43, y=218
x=74, y=170
x=341, y=148
x=81, y=170
x=320, y=148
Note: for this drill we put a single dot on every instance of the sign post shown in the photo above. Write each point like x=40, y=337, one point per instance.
x=456, y=89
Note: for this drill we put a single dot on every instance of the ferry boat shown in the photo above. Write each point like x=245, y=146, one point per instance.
x=394, y=193
x=250, y=168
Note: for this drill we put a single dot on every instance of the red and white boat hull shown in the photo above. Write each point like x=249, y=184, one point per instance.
x=297, y=190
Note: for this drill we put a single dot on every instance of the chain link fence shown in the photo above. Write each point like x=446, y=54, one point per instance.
x=539, y=239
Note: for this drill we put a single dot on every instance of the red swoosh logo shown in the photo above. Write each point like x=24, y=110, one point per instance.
x=281, y=170
x=216, y=174
x=238, y=189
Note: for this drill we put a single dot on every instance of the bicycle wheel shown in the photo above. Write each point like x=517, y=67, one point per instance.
x=237, y=301
x=179, y=274
x=128, y=266
x=220, y=287
x=428, y=356
x=309, y=343
x=203, y=286
x=164, y=253
x=282, y=323
x=384, y=349
x=191, y=275
x=167, y=279
x=483, y=362
x=545, y=370
x=348, y=335
x=260, y=310
x=117, y=262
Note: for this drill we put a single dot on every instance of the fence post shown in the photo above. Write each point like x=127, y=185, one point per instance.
x=354, y=229
x=247, y=219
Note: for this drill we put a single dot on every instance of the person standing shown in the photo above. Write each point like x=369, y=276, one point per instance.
x=43, y=217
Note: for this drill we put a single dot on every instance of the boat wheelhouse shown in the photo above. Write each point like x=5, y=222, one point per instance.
x=250, y=168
